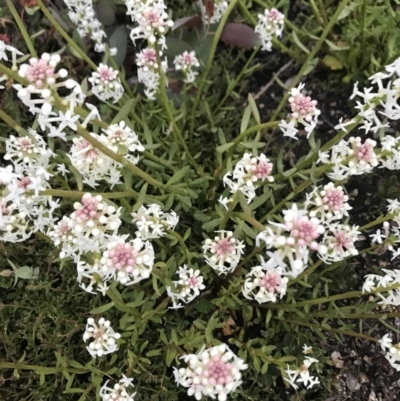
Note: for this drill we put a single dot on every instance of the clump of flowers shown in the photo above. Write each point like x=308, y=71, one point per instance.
x=220, y=6
x=118, y=392
x=338, y=242
x=392, y=351
x=106, y=84
x=249, y=173
x=128, y=262
x=149, y=71
x=264, y=285
x=328, y=203
x=270, y=25
x=292, y=240
x=304, y=111
x=152, y=222
x=302, y=374
x=352, y=157
x=103, y=337
x=223, y=253
x=87, y=228
x=391, y=278
x=82, y=14
x=185, y=62
x=213, y=372
x=121, y=139
x=42, y=77
x=187, y=288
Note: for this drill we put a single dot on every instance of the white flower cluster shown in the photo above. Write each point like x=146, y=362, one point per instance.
x=338, y=242
x=381, y=102
x=42, y=79
x=391, y=158
x=103, y=337
x=3, y=56
x=106, y=84
x=264, y=285
x=152, y=22
x=270, y=25
x=304, y=111
x=249, y=173
x=302, y=375
x=352, y=157
x=128, y=262
x=94, y=165
x=151, y=19
x=185, y=62
x=149, y=70
x=219, y=9
x=187, y=288
x=390, y=279
x=292, y=240
x=152, y=222
x=82, y=14
x=118, y=392
x=18, y=208
x=328, y=203
x=392, y=351
x=213, y=372
x=390, y=233
x=87, y=229
x=223, y=253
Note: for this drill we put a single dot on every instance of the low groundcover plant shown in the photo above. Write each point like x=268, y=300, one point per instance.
x=178, y=238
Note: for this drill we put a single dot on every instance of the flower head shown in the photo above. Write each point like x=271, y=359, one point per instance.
x=223, y=253
x=103, y=337
x=213, y=372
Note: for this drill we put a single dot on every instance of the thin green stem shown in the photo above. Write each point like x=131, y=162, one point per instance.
x=60, y=193
x=339, y=331
x=310, y=57
x=175, y=129
x=275, y=41
x=65, y=35
x=22, y=28
x=362, y=28
x=210, y=60
x=238, y=78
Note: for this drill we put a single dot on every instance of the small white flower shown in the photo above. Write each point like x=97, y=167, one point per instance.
x=223, y=253
x=103, y=337
x=213, y=372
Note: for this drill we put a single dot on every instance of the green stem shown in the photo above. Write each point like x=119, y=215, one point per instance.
x=362, y=28
x=355, y=315
x=339, y=331
x=65, y=35
x=42, y=369
x=22, y=29
x=235, y=82
x=275, y=41
x=210, y=60
x=310, y=57
x=167, y=107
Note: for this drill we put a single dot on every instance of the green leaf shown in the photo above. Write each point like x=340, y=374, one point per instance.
x=299, y=44
x=311, y=65
x=223, y=148
x=119, y=40
x=212, y=224
x=254, y=109
x=177, y=177
x=141, y=198
x=127, y=107
x=102, y=308
x=245, y=119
